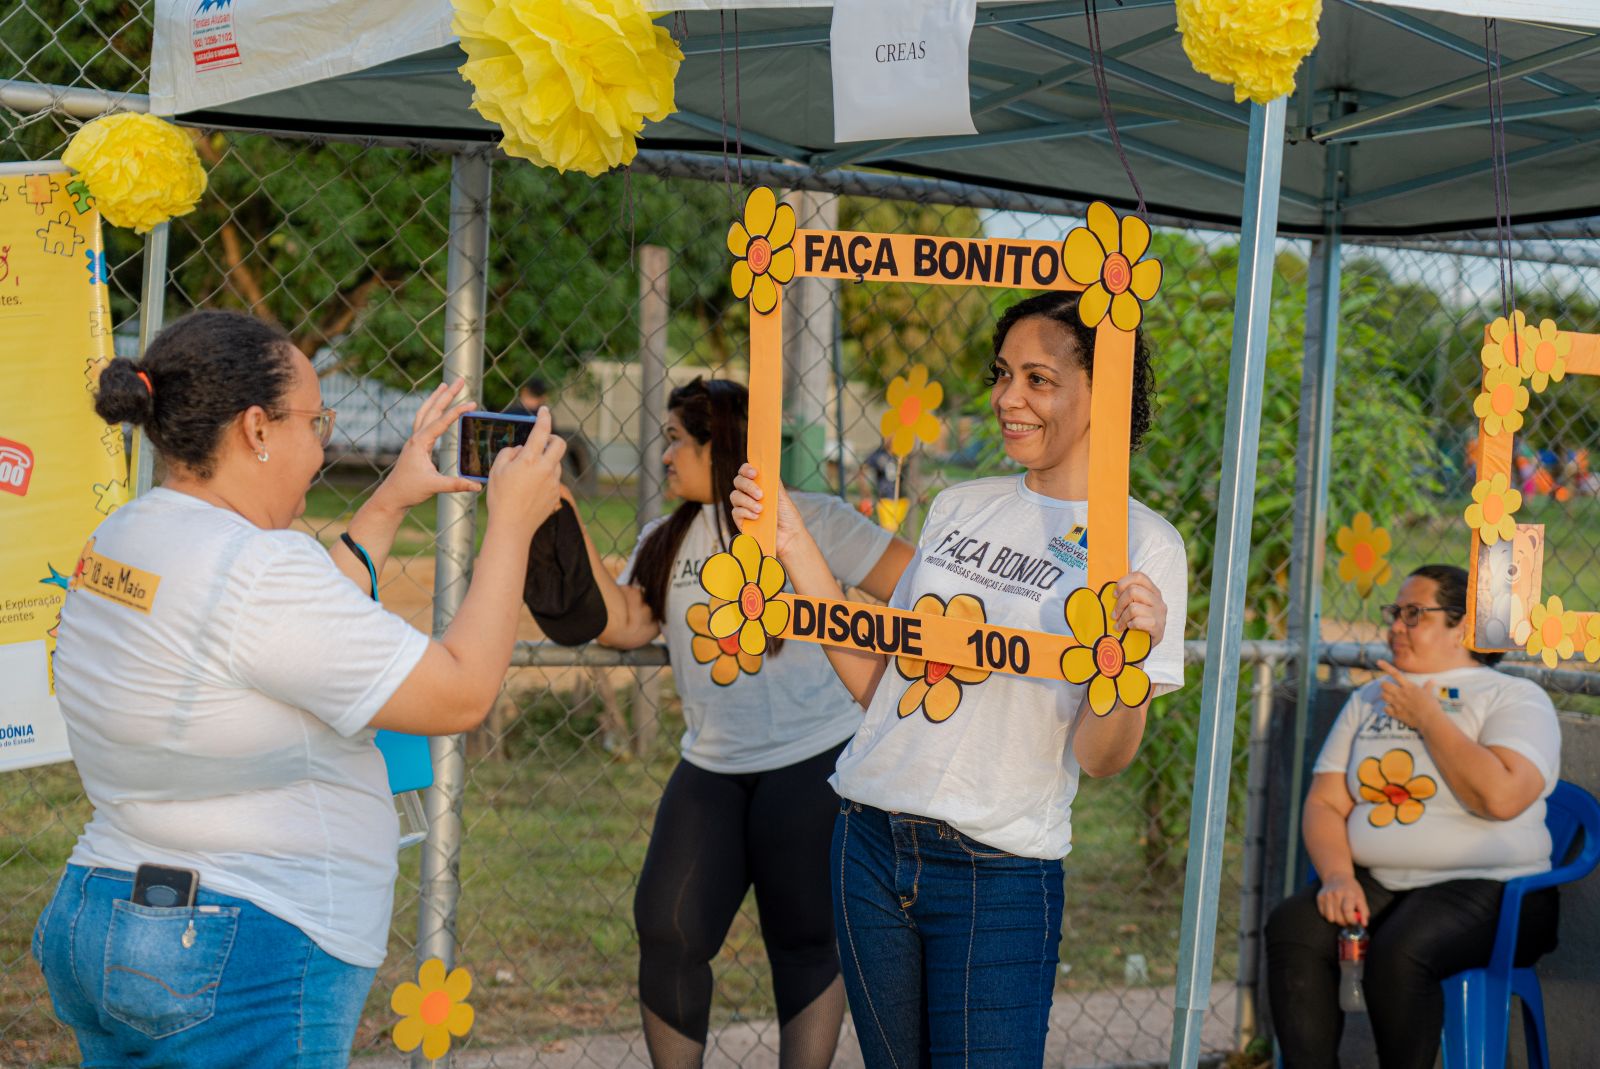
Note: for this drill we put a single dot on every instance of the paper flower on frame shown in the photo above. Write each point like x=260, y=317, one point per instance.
x=1103, y=257
x=1548, y=632
x=936, y=687
x=433, y=1009
x=1591, y=639
x=748, y=582
x=912, y=401
x=1108, y=662
x=1494, y=503
x=141, y=170
x=570, y=83
x=1253, y=45
x=727, y=660
x=1505, y=338
x=762, y=243
x=1395, y=794
x=1502, y=402
x=1365, y=547
x=1544, y=354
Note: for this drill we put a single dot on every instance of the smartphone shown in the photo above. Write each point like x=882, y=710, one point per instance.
x=484, y=434
x=164, y=887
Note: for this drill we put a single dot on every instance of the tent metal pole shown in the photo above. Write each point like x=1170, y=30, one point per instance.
x=466, y=289
x=152, y=310
x=1235, y=511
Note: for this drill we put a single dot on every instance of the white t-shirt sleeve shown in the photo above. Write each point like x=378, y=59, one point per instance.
x=1524, y=721
x=307, y=637
x=1335, y=753
x=850, y=543
x=1168, y=569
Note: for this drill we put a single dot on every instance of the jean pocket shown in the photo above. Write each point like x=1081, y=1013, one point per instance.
x=163, y=966
x=979, y=850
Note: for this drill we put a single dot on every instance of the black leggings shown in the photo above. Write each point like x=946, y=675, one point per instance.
x=715, y=835
x=1416, y=939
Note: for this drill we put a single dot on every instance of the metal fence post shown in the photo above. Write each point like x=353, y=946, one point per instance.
x=152, y=311
x=655, y=305
x=1235, y=511
x=466, y=289
x=808, y=327
x=1253, y=878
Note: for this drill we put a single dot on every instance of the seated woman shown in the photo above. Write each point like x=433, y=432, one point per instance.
x=1427, y=797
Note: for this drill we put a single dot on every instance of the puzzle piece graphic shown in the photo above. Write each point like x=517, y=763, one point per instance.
x=60, y=236
x=97, y=323
x=5, y=259
x=91, y=370
x=5, y=194
x=38, y=190
x=112, y=439
x=110, y=495
x=82, y=199
x=99, y=273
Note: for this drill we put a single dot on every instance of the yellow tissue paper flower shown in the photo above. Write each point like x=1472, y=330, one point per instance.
x=569, y=82
x=1253, y=45
x=140, y=170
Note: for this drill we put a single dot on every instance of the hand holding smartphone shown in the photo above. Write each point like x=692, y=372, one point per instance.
x=484, y=434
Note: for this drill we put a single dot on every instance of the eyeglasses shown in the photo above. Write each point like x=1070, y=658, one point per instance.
x=1411, y=614
x=321, y=421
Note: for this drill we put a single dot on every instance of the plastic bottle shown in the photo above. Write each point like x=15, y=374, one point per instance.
x=1352, y=960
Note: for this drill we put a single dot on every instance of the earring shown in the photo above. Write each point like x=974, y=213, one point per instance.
x=262, y=456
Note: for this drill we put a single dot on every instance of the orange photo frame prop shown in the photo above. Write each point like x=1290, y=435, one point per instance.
x=1505, y=609
x=1107, y=257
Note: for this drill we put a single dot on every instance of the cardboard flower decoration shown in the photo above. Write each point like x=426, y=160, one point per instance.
x=433, y=1009
x=1364, y=547
x=1550, y=632
x=1502, y=402
x=912, y=401
x=763, y=243
x=1494, y=503
x=140, y=170
x=936, y=687
x=1108, y=662
x=1253, y=45
x=1591, y=639
x=570, y=83
x=1104, y=258
x=1502, y=347
x=748, y=582
x=1544, y=354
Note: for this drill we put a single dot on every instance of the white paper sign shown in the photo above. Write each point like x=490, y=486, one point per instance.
x=1566, y=12
x=31, y=729
x=900, y=68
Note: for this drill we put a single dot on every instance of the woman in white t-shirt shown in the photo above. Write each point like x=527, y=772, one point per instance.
x=1427, y=797
x=221, y=677
x=957, y=790
x=749, y=804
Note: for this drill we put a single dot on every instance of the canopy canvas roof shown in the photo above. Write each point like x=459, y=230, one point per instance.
x=1403, y=90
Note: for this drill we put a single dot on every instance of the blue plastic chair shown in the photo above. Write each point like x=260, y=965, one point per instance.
x=1477, y=1002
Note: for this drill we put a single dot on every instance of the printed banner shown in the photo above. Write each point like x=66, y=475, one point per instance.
x=62, y=470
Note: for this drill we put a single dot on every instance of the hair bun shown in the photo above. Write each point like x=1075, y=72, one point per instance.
x=123, y=396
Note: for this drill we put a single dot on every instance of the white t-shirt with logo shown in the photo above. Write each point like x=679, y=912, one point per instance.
x=1000, y=767
x=1407, y=826
x=793, y=706
x=225, y=729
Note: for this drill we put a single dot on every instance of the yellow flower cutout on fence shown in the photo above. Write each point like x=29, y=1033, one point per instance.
x=748, y=582
x=1544, y=354
x=1106, y=661
x=1591, y=639
x=1549, y=632
x=1364, y=547
x=433, y=1009
x=1505, y=338
x=1502, y=401
x=1394, y=793
x=727, y=660
x=761, y=241
x=912, y=401
x=1494, y=503
x=1103, y=257
x=140, y=170
x=1253, y=45
x=936, y=686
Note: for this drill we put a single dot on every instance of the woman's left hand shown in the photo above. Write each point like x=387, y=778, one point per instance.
x=414, y=477
x=1408, y=702
x=1140, y=606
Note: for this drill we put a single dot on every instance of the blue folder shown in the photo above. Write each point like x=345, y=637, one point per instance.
x=410, y=763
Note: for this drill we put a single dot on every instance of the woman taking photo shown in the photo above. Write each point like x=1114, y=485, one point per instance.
x=957, y=790
x=220, y=677
x=1427, y=797
x=749, y=803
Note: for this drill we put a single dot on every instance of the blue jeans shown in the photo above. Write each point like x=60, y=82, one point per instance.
x=949, y=947
x=222, y=984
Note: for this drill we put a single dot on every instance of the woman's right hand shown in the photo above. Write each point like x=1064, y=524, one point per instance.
x=747, y=505
x=525, y=481
x=1341, y=901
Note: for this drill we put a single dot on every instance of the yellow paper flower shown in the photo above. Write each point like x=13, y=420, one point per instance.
x=935, y=686
x=748, y=582
x=1494, y=503
x=140, y=170
x=433, y=1009
x=1591, y=639
x=1103, y=257
x=912, y=401
x=1253, y=45
x=1395, y=794
x=1544, y=354
x=570, y=83
x=1103, y=659
x=761, y=241
x=727, y=660
x=1364, y=547
x=1505, y=337
x=1502, y=401
x=892, y=512
x=1548, y=632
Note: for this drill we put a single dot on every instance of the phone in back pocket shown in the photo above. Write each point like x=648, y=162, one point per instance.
x=164, y=887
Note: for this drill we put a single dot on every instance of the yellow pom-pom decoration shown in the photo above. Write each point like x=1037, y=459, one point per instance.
x=569, y=82
x=1253, y=45
x=141, y=170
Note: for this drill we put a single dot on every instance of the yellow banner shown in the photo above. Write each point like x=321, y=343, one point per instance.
x=62, y=470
